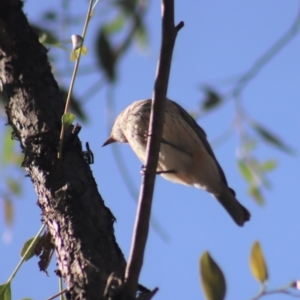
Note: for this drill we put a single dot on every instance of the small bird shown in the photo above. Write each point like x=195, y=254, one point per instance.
x=185, y=155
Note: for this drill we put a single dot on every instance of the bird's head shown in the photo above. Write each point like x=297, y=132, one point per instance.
x=117, y=134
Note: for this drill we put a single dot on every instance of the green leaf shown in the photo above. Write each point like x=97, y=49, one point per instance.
x=8, y=211
x=141, y=35
x=257, y=263
x=67, y=119
x=50, y=16
x=14, y=186
x=106, y=55
x=212, y=99
x=31, y=253
x=116, y=25
x=49, y=39
x=75, y=105
x=245, y=171
x=46, y=37
x=272, y=139
x=212, y=278
x=5, y=291
x=269, y=165
x=128, y=6
x=255, y=192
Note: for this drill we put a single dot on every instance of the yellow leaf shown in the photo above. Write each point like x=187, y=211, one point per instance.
x=73, y=56
x=257, y=263
x=84, y=50
x=75, y=53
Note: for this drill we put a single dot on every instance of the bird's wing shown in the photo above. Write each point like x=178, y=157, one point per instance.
x=202, y=135
x=181, y=149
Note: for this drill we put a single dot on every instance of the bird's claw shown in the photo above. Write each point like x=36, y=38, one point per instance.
x=143, y=170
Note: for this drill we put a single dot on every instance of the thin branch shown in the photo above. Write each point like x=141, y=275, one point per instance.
x=56, y=295
x=24, y=256
x=266, y=57
x=169, y=33
x=62, y=132
x=284, y=290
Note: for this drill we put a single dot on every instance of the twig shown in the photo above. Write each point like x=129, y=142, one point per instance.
x=25, y=254
x=62, y=132
x=266, y=57
x=283, y=290
x=56, y=295
x=169, y=33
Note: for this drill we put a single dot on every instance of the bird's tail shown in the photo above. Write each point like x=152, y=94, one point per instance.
x=237, y=211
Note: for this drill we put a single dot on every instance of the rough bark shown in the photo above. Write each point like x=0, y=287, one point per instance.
x=78, y=220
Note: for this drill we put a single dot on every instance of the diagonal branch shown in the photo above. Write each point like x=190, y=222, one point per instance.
x=169, y=33
x=267, y=56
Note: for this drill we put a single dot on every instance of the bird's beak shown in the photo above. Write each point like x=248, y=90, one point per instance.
x=109, y=141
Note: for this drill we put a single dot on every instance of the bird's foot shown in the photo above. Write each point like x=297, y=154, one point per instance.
x=143, y=171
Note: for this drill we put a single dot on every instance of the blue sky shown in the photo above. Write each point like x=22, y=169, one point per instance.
x=220, y=41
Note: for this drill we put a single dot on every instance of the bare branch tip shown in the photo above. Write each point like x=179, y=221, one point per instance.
x=179, y=26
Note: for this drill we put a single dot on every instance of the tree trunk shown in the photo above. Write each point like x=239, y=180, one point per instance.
x=80, y=224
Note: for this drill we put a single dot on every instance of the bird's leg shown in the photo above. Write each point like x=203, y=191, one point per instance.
x=143, y=171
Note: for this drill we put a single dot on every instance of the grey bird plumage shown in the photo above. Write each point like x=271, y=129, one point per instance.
x=184, y=150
